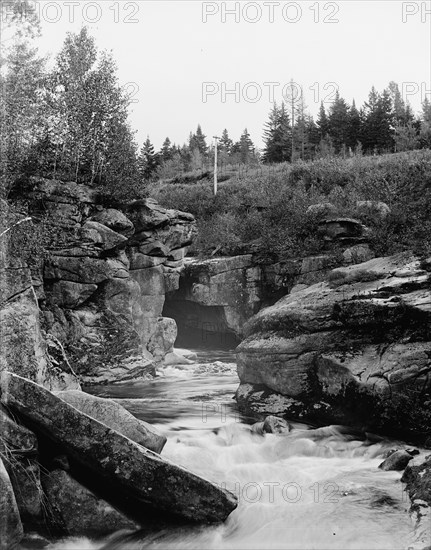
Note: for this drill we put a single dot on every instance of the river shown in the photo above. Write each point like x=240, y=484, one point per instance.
x=311, y=489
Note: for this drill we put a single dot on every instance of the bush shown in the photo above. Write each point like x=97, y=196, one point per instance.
x=270, y=204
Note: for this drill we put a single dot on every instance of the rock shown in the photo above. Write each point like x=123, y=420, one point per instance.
x=321, y=210
x=115, y=220
x=10, y=522
x=174, y=358
x=70, y=295
x=84, y=270
x=34, y=541
x=352, y=350
x=116, y=417
x=375, y=209
x=417, y=477
x=163, y=338
x=15, y=438
x=276, y=425
x=271, y=425
x=100, y=236
x=342, y=228
x=78, y=511
x=358, y=254
x=224, y=292
x=24, y=474
x=396, y=461
x=133, y=472
x=257, y=428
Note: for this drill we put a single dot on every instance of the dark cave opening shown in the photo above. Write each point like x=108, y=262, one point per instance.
x=200, y=327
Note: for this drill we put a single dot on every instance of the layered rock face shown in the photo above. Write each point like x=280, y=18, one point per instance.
x=218, y=296
x=354, y=349
x=105, y=279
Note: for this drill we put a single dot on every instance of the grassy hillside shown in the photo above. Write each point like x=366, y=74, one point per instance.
x=267, y=208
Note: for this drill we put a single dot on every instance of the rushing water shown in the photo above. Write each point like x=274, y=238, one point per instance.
x=311, y=488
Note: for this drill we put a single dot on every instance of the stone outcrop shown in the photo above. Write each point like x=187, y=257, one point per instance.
x=115, y=416
x=105, y=279
x=417, y=477
x=11, y=531
x=216, y=297
x=24, y=348
x=76, y=511
x=355, y=349
x=129, y=476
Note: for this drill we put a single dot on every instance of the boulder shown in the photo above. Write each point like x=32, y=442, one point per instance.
x=353, y=349
x=24, y=474
x=334, y=229
x=15, y=438
x=70, y=295
x=115, y=220
x=77, y=511
x=125, y=469
x=276, y=425
x=358, y=254
x=116, y=417
x=396, y=461
x=163, y=338
x=11, y=531
x=100, y=236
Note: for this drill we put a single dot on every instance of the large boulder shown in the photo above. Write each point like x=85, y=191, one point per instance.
x=77, y=511
x=354, y=349
x=126, y=471
x=11, y=531
x=116, y=417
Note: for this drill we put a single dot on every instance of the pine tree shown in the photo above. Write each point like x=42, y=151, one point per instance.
x=246, y=148
x=148, y=160
x=425, y=124
x=377, y=128
x=354, y=128
x=322, y=122
x=225, y=142
x=277, y=136
x=167, y=151
x=338, y=121
x=197, y=141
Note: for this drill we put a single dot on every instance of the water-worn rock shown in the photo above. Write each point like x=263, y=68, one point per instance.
x=354, y=349
x=417, y=477
x=24, y=474
x=133, y=473
x=116, y=417
x=396, y=461
x=11, y=531
x=15, y=438
x=76, y=511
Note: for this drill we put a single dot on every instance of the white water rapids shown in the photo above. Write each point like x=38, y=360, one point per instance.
x=310, y=489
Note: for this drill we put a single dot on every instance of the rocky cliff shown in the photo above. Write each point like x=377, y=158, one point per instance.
x=101, y=290
x=354, y=349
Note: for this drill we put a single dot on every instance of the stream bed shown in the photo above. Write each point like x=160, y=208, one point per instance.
x=309, y=489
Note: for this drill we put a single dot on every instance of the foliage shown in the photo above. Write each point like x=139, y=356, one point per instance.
x=270, y=209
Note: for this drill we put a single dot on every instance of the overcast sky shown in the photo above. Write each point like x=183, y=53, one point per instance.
x=180, y=59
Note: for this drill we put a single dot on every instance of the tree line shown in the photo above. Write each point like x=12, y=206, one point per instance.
x=70, y=122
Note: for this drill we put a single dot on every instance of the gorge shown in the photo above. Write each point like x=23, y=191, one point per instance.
x=340, y=338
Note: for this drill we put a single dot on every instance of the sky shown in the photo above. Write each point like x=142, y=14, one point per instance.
x=222, y=64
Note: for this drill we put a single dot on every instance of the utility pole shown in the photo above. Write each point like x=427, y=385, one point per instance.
x=215, y=164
